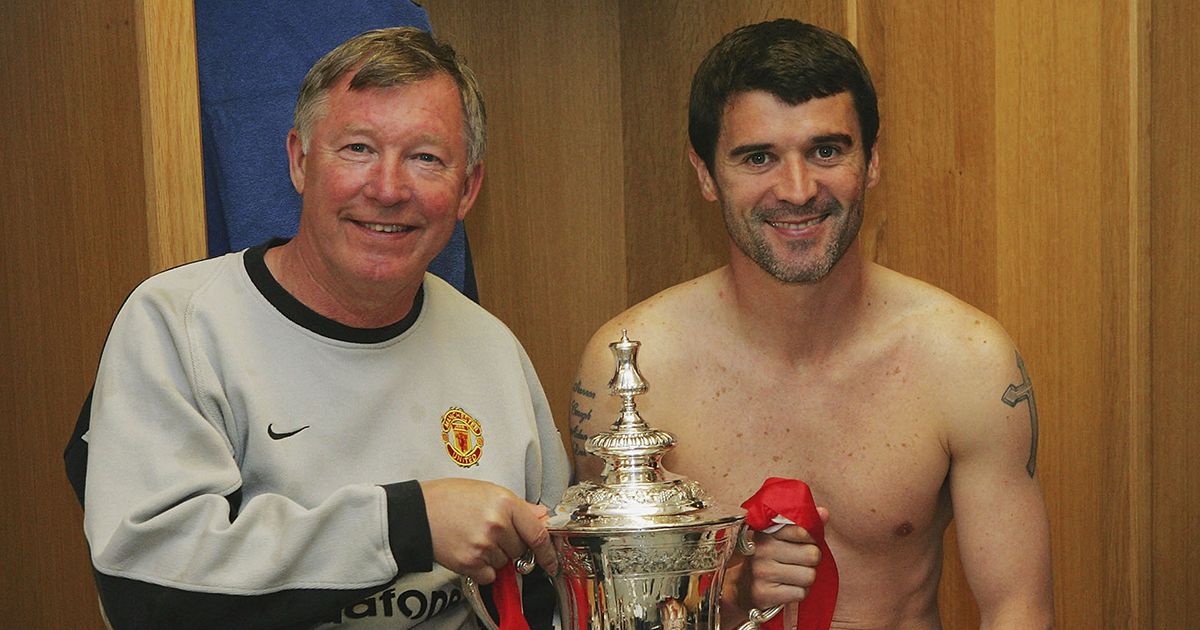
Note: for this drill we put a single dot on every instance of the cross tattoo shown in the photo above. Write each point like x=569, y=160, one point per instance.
x=1014, y=395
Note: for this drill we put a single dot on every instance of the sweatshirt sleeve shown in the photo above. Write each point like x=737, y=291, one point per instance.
x=172, y=543
x=131, y=603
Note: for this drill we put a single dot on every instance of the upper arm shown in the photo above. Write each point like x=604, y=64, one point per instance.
x=1000, y=517
x=164, y=481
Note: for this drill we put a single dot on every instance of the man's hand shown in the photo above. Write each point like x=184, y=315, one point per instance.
x=782, y=569
x=478, y=527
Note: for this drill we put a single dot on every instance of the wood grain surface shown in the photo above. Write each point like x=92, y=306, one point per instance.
x=101, y=188
x=1174, y=172
x=1038, y=160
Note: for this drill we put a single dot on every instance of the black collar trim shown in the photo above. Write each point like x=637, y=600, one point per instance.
x=297, y=312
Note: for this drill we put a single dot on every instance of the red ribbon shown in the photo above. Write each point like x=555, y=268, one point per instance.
x=507, y=597
x=792, y=499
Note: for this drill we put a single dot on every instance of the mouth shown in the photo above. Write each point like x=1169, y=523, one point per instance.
x=385, y=228
x=794, y=225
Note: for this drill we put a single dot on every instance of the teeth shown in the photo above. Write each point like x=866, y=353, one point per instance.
x=385, y=227
x=794, y=225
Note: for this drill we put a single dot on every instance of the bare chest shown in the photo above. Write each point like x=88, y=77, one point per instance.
x=865, y=445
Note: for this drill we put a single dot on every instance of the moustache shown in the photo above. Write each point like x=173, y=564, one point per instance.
x=793, y=211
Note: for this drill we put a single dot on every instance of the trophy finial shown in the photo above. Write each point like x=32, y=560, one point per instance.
x=627, y=381
x=631, y=449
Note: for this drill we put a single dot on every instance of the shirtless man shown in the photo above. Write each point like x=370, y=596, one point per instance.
x=901, y=406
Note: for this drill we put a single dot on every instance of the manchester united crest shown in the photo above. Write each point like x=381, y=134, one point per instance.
x=463, y=437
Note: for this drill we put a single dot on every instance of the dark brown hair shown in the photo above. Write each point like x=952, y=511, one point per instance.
x=792, y=60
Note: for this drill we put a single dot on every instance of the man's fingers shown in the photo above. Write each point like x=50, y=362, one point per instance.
x=531, y=527
x=496, y=557
x=482, y=575
x=792, y=552
x=794, y=534
x=479, y=526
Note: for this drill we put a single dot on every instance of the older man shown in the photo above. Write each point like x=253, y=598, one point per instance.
x=316, y=432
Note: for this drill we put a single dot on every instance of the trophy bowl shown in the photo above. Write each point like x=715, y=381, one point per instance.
x=643, y=549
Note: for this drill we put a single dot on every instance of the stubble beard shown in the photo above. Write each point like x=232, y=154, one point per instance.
x=800, y=265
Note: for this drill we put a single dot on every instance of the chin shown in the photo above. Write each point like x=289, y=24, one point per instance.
x=386, y=272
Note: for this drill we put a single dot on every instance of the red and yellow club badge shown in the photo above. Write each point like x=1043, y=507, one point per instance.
x=463, y=437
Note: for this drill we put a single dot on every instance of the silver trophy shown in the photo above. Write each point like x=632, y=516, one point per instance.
x=644, y=549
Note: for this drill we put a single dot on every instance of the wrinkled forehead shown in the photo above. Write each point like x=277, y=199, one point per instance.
x=761, y=115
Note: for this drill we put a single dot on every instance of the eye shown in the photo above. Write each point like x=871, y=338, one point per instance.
x=827, y=152
x=357, y=147
x=758, y=158
x=428, y=159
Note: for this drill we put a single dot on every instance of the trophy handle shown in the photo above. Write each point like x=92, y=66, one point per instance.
x=759, y=617
x=745, y=546
x=524, y=565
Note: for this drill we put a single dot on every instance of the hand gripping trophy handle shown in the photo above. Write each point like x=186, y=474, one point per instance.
x=756, y=617
x=524, y=565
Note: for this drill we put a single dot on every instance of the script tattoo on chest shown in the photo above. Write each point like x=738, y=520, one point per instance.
x=1012, y=397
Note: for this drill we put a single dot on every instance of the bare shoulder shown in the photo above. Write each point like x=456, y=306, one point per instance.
x=967, y=361
x=949, y=339
x=667, y=322
x=666, y=325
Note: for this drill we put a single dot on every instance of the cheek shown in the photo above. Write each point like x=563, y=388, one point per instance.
x=333, y=184
x=737, y=192
x=441, y=196
x=848, y=185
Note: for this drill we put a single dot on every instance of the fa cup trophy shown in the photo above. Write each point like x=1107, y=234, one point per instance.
x=644, y=549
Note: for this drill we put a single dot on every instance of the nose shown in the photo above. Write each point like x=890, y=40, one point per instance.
x=796, y=182
x=388, y=182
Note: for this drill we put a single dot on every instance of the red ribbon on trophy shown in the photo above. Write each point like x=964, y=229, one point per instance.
x=781, y=501
x=507, y=597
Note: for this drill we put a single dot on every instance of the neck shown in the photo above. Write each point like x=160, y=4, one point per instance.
x=798, y=322
x=356, y=304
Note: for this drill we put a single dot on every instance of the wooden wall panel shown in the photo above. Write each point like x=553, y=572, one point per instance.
x=1063, y=194
x=70, y=255
x=933, y=69
x=1175, y=195
x=547, y=231
x=170, y=111
x=75, y=224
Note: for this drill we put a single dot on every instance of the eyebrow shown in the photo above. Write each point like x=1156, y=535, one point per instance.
x=372, y=133
x=835, y=138
x=357, y=130
x=749, y=148
x=843, y=139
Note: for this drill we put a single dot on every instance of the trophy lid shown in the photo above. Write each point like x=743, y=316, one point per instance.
x=635, y=492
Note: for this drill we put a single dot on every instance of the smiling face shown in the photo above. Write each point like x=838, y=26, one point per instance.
x=383, y=178
x=791, y=181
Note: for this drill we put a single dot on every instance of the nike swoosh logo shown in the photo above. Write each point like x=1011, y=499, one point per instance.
x=279, y=436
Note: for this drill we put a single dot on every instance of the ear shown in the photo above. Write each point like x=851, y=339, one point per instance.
x=471, y=188
x=295, y=151
x=708, y=187
x=873, y=163
x=873, y=167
